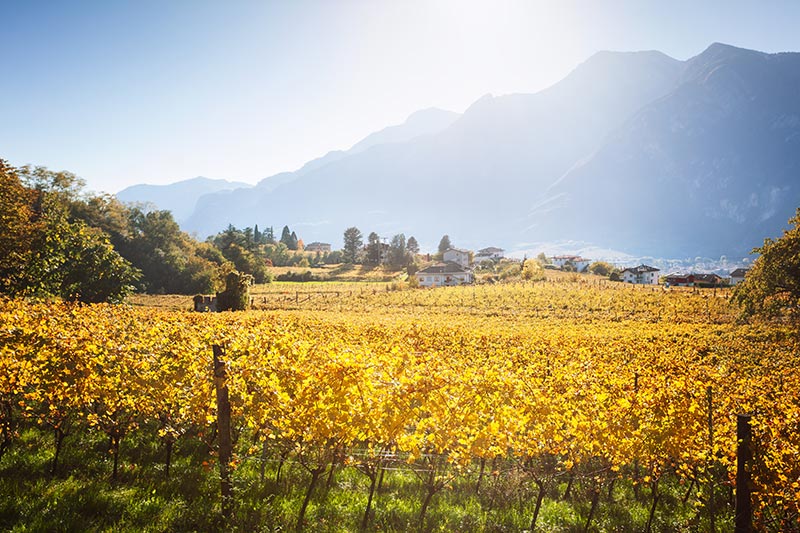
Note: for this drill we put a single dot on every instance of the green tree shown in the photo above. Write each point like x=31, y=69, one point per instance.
x=353, y=241
x=240, y=248
x=230, y=236
x=203, y=270
x=236, y=296
x=334, y=258
x=532, y=270
x=63, y=256
x=65, y=185
x=246, y=262
x=444, y=244
x=269, y=236
x=76, y=228
x=105, y=212
x=278, y=254
x=92, y=271
x=601, y=268
x=398, y=254
x=412, y=246
x=373, y=249
x=170, y=260
x=18, y=226
x=286, y=237
x=249, y=238
x=772, y=286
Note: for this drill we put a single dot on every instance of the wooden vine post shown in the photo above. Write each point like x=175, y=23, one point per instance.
x=711, y=509
x=744, y=458
x=223, y=430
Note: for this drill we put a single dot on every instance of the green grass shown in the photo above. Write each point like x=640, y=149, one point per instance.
x=82, y=497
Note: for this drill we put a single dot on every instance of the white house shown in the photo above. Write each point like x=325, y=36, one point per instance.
x=641, y=274
x=489, y=254
x=457, y=256
x=317, y=247
x=738, y=275
x=443, y=274
x=580, y=263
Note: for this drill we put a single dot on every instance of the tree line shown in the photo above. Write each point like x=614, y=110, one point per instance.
x=252, y=251
x=398, y=253
x=59, y=241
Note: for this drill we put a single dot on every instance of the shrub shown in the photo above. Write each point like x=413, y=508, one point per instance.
x=532, y=271
x=297, y=276
x=236, y=296
x=601, y=268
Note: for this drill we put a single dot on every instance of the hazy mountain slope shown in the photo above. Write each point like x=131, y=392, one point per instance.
x=632, y=151
x=179, y=197
x=247, y=204
x=477, y=178
x=710, y=169
x=423, y=122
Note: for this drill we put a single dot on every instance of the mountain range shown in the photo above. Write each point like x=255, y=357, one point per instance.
x=180, y=198
x=632, y=151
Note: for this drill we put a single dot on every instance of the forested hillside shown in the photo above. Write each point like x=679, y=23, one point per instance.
x=57, y=240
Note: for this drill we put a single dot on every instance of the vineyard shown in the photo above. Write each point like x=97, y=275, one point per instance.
x=552, y=406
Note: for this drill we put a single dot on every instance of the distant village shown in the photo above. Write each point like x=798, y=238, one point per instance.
x=457, y=266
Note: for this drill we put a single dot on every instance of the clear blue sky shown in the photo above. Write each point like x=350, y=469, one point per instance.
x=159, y=91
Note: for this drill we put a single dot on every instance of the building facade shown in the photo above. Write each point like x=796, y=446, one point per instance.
x=444, y=275
x=738, y=275
x=580, y=263
x=642, y=274
x=489, y=254
x=457, y=256
x=317, y=247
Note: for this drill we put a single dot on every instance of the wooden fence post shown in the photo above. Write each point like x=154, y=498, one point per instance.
x=711, y=509
x=744, y=456
x=223, y=430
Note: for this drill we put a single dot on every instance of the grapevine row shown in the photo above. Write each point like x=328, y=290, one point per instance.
x=446, y=394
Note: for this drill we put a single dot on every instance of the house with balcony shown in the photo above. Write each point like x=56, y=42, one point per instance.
x=457, y=256
x=642, y=275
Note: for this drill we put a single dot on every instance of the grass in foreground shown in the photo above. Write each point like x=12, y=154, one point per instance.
x=81, y=497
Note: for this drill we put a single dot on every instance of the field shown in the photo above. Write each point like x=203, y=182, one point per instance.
x=566, y=405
